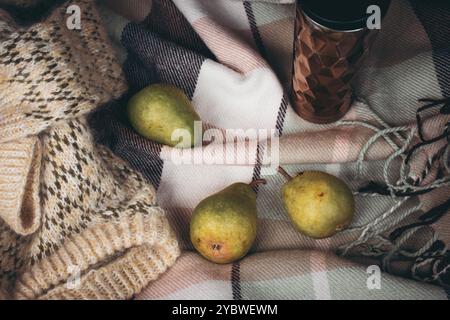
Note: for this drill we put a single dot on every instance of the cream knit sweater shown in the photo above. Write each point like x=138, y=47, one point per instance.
x=75, y=221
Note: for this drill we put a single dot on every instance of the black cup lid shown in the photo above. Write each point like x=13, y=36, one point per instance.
x=342, y=15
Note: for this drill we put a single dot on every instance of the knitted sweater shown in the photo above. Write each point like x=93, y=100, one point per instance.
x=75, y=220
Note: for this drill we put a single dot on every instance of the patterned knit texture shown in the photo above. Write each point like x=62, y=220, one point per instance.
x=75, y=220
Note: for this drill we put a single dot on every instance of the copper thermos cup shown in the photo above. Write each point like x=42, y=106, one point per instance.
x=331, y=40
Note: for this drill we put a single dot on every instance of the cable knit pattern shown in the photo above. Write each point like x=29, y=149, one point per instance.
x=66, y=203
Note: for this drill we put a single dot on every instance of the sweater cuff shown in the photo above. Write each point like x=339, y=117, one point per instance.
x=19, y=184
x=107, y=261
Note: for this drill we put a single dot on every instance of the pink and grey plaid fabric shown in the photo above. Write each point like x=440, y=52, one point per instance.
x=233, y=59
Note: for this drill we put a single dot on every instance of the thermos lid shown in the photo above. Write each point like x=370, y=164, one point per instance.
x=341, y=15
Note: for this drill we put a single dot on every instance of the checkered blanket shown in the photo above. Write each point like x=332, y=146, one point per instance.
x=233, y=59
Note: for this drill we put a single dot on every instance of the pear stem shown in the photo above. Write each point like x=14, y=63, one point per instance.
x=285, y=174
x=257, y=182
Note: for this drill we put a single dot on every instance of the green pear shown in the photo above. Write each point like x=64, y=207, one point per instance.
x=223, y=226
x=319, y=204
x=158, y=110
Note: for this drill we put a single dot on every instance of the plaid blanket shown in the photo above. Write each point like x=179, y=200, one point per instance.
x=233, y=59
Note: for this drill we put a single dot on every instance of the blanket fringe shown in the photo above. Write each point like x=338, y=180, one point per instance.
x=434, y=254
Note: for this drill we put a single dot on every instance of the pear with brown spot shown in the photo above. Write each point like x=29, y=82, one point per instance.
x=223, y=226
x=319, y=204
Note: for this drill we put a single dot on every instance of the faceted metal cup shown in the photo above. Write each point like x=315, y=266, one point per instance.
x=325, y=62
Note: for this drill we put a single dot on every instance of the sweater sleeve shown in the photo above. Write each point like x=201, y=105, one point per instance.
x=50, y=73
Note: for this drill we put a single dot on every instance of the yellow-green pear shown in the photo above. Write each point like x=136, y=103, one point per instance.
x=319, y=204
x=158, y=110
x=223, y=226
